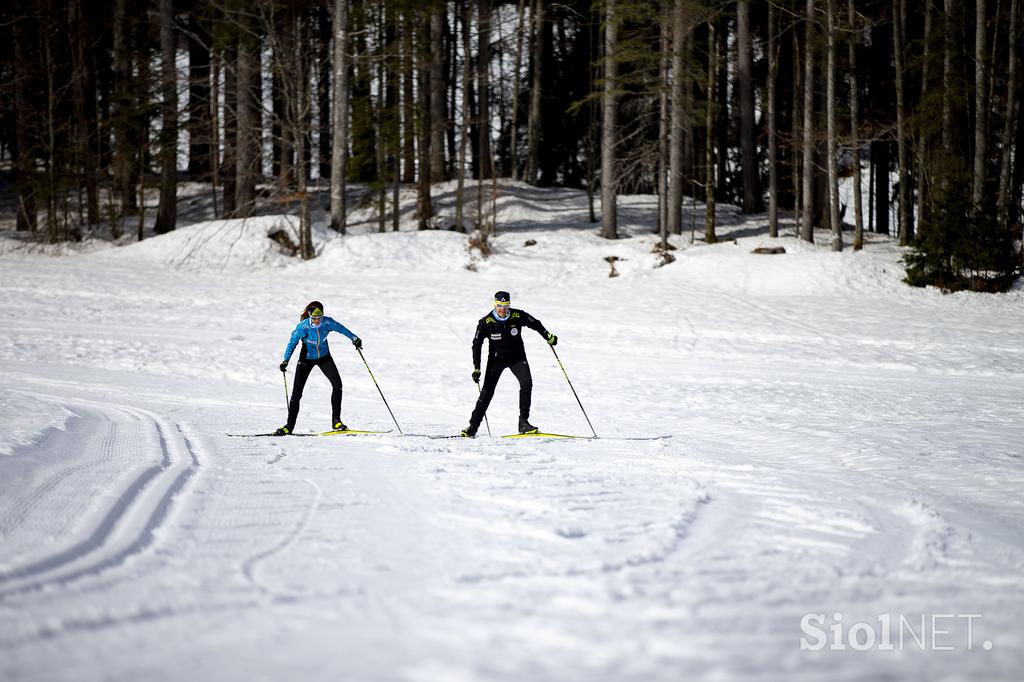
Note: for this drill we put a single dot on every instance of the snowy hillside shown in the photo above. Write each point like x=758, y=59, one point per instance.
x=832, y=443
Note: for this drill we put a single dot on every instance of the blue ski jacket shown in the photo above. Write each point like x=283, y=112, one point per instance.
x=315, y=338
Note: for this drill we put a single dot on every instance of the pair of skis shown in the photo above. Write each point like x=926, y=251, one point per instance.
x=342, y=432
x=358, y=432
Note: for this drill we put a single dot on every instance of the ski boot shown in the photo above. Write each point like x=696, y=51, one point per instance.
x=283, y=431
x=469, y=431
x=339, y=426
x=526, y=427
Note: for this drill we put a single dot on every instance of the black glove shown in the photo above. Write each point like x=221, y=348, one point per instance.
x=476, y=375
x=358, y=343
x=552, y=339
x=284, y=366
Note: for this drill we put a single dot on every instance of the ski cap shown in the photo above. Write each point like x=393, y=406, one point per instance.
x=315, y=309
x=502, y=298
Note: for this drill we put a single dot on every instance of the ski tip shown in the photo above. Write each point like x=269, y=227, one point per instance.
x=546, y=435
x=351, y=432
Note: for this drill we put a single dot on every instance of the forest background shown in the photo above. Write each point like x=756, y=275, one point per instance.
x=765, y=105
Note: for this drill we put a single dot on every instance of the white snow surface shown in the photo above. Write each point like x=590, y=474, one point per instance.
x=834, y=442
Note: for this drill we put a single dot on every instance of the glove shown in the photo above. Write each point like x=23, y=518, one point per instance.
x=476, y=375
x=552, y=339
x=284, y=366
x=358, y=343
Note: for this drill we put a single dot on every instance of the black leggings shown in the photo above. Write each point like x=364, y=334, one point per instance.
x=495, y=366
x=302, y=370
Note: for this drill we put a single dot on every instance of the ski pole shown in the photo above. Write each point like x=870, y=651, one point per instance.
x=486, y=421
x=360, y=351
x=573, y=391
x=284, y=378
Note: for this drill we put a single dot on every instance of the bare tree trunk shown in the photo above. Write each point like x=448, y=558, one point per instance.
x=230, y=164
x=483, y=79
x=323, y=90
x=709, y=150
x=679, y=123
x=282, y=133
x=439, y=117
x=922, y=137
x=663, y=129
x=408, y=101
x=752, y=202
x=199, y=141
x=1009, y=125
x=214, y=132
x=392, y=103
x=899, y=19
x=466, y=11
x=689, y=128
x=797, y=134
x=593, y=52
x=83, y=121
x=452, y=66
x=299, y=122
x=980, y=105
x=807, y=225
x=339, y=152
x=724, y=122
x=246, y=153
x=609, y=214
x=947, y=78
x=424, y=205
x=384, y=111
x=833, y=175
x=26, y=129
x=858, y=209
x=122, y=156
x=514, y=128
x=533, y=124
x=773, y=151
x=167, y=213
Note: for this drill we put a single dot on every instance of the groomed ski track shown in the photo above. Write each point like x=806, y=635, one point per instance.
x=839, y=443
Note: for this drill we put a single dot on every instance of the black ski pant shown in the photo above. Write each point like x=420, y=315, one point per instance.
x=302, y=370
x=495, y=366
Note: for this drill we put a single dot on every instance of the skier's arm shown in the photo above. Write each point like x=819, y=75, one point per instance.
x=292, y=342
x=335, y=326
x=533, y=323
x=478, y=343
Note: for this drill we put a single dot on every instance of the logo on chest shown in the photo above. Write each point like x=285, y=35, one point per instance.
x=515, y=331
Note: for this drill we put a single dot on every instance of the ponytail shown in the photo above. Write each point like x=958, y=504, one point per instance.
x=310, y=307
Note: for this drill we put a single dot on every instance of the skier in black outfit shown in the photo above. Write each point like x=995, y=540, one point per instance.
x=502, y=327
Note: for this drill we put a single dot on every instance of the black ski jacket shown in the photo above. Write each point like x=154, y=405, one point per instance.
x=505, y=335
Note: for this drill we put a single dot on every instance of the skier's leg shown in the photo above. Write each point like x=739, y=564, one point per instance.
x=302, y=370
x=522, y=372
x=330, y=371
x=494, y=369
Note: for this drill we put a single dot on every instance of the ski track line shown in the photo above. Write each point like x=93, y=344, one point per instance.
x=548, y=510
x=26, y=506
x=769, y=313
x=129, y=527
x=250, y=564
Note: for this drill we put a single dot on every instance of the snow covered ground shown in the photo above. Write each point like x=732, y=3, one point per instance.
x=842, y=453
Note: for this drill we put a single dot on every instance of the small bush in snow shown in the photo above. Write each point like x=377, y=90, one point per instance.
x=958, y=247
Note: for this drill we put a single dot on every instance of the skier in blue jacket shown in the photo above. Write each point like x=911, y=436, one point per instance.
x=312, y=331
